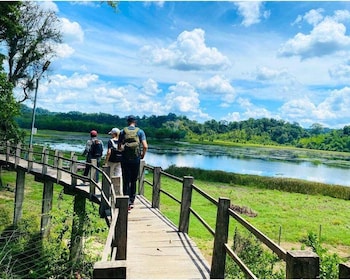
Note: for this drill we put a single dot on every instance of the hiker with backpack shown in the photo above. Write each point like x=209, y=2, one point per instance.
x=131, y=138
x=93, y=150
x=114, y=156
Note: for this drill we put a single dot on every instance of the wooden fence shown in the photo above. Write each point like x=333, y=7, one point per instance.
x=299, y=263
x=50, y=167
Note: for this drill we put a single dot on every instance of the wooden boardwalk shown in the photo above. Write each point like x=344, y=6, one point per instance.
x=155, y=247
x=156, y=250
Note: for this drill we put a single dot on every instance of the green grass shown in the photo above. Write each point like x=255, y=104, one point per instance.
x=294, y=213
x=95, y=229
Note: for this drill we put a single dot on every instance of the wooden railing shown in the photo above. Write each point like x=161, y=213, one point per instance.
x=299, y=264
x=50, y=166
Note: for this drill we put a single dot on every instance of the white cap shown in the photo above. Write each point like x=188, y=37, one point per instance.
x=114, y=131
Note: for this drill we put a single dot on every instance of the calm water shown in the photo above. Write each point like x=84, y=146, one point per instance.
x=232, y=160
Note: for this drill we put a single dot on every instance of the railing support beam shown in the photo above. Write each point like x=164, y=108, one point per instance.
x=19, y=196
x=186, y=204
x=301, y=264
x=221, y=235
x=156, y=188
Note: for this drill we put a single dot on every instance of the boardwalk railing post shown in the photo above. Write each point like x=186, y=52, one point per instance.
x=45, y=160
x=121, y=229
x=302, y=264
x=59, y=165
x=221, y=235
x=185, y=204
x=19, y=196
x=344, y=271
x=142, y=178
x=30, y=159
x=93, y=173
x=8, y=151
x=46, y=207
x=77, y=228
x=107, y=192
x=73, y=170
x=18, y=154
x=156, y=187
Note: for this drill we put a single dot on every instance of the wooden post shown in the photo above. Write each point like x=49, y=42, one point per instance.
x=73, y=170
x=221, y=235
x=59, y=165
x=185, y=204
x=18, y=154
x=93, y=176
x=45, y=160
x=77, y=227
x=121, y=229
x=19, y=196
x=142, y=178
x=46, y=207
x=110, y=270
x=344, y=271
x=107, y=192
x=30, y=159
x=8, y=151
x=156, y=188
x=117, y=185
x=302, y=264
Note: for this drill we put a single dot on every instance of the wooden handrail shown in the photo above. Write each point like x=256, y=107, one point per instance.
x=278, y=250
x=49, y=161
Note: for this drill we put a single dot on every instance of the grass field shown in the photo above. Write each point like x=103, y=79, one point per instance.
x=293, y=214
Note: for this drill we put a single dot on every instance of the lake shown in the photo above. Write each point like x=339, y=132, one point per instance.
x=254, y=161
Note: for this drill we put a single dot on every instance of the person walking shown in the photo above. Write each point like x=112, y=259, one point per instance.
x=131, y=138
x=93, y=150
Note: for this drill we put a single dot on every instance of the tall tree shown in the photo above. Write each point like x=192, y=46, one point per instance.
x=30, y=35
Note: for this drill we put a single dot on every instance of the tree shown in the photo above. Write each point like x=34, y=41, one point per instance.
x=30, y=34
x=9, y=129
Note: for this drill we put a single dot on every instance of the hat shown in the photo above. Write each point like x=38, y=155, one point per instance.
x=93, y=133
x=131, y=118
x=114, y=130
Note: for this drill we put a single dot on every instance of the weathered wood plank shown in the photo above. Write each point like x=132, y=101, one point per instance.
x=156, y=250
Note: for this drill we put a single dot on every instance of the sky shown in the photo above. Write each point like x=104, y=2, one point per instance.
x=222, y=60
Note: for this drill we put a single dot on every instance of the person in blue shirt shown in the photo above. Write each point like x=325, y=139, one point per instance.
x=133, y=143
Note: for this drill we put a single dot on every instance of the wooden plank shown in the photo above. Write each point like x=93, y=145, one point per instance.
x=156, y=250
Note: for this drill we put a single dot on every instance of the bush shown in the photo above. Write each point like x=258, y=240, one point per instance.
x=262, y=263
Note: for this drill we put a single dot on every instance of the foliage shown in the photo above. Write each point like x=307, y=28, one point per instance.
x=329, y=263
x=30, y=38
x=260, y=131
x=261, y=262
x=9, y=129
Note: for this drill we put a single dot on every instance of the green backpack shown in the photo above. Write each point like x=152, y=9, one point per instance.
x=131, y=143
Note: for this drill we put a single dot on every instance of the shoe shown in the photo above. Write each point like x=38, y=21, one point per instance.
x=129, y=208
x=131, y=205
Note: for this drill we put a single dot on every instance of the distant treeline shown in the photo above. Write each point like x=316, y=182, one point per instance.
x=265, y=131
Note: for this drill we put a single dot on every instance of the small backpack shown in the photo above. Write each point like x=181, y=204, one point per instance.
x=131, y=143
x=116, y=155
x=96, y=149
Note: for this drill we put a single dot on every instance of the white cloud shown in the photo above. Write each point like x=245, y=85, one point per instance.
x=219, y=86
x=63, y=50
x=341, y=71
x=150, y=87
x=251, y=12
x=183, y=98
x=327, y=37
x=189, y=52
x=265, y=73
x=252, y=111
x=71, y=31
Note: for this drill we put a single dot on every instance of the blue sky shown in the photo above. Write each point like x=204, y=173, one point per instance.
x=205, y=60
